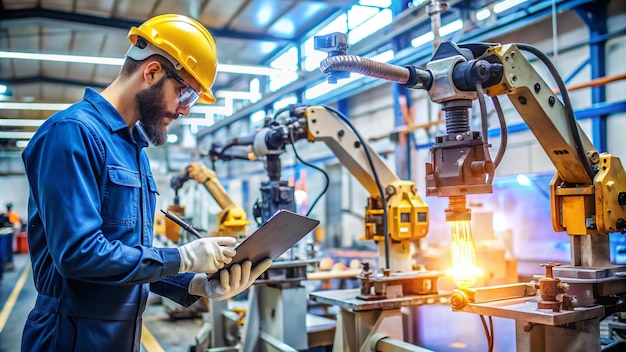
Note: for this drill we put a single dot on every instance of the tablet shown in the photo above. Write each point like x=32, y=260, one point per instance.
x=273, y=238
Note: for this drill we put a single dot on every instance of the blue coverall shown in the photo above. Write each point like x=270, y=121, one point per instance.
x=90, y=227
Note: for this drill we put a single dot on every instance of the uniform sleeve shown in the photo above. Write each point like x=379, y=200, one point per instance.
x=176, y=289
x=65, y=178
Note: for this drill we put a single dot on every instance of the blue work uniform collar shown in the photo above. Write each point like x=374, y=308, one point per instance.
x=112, y=116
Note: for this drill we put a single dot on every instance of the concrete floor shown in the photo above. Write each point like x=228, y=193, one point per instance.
x=442, y=330
x=12, y=320
x=16, y=303
x=462, y=332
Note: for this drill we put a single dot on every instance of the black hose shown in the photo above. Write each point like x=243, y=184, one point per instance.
x=504, y=133
x=375, y=174
x=483, y=112
x=319, y=196
x=567, y=104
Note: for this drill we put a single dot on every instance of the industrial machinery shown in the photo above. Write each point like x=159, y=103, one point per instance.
x=395, y=218
x=395, y=215
x=587, y=194
x=276, y=315
x=276, y=194
x=231, y=220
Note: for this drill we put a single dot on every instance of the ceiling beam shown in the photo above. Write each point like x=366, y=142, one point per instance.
x=115, y=22
x=409, y=55
x=321, y=20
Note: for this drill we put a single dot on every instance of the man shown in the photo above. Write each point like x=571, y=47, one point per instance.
x=6, y=227
x=12, y=226
x=92, y=200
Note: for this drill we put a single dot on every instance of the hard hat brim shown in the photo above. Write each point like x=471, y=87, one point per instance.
x=206, y=98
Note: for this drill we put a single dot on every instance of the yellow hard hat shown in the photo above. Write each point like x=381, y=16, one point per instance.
x=183, y=41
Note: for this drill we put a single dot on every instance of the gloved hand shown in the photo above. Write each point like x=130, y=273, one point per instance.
x=230, y=283
x=206, y=255
x=200, y=172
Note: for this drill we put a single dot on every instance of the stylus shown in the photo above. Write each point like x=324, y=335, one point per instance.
x=180, y=222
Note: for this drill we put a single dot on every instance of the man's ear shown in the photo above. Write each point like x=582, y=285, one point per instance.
x=150, y=69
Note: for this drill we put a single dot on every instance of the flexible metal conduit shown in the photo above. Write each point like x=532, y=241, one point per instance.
x=368, y=67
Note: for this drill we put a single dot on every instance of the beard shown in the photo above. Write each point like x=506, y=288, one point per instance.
x=151, y=109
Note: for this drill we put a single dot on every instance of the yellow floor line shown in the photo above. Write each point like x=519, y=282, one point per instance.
x=10, y=303
x=148, y=341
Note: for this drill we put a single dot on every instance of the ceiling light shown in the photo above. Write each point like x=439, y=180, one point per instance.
x=21, y=122
x=62, y=58
x=506, y=4
x=200, y=108
x=196, y=121
x=232, y=94
x=33, y=106
x=483, y=14
x=227, y=68
x=16, y=135
x=443, y=31
x=250, y=70
x=172, y=138
x=5, y=92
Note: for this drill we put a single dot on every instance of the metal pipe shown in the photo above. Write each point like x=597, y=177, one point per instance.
x=383, y=343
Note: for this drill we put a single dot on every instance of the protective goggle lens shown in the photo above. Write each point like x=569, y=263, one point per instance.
x=187, y=95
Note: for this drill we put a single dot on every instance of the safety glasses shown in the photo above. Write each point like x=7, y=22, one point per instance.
x=187, y=95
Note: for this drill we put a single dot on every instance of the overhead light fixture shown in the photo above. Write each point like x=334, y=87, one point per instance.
x=201, y=108
x=16, y=135
x=61, y=58
x=21, y=122
x=443, y=31
x=241, y=95
x=172, y=138
x=196, y=121
x=506, y=4
x=33, y=106
x=239, y=69
x=250, y=70
x=5, y=92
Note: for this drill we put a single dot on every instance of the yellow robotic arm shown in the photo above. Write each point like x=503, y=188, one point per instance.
x=232, y=218
x=407, y=215
x=588, y=192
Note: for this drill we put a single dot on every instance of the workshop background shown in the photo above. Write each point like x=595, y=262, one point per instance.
x=51, y=49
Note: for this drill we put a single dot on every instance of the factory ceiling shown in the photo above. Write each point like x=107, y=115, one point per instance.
x=247, y=32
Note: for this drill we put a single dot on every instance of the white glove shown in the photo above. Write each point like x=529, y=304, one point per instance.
x=206, y=255
x=230, y=283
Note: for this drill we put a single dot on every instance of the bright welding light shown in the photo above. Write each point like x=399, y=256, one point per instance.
x=462, y=252
x=463, y=255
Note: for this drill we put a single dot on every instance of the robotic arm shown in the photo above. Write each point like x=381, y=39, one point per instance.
x=232, y=219
x=588, y=192
x=407, y=214
x=268, y=144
